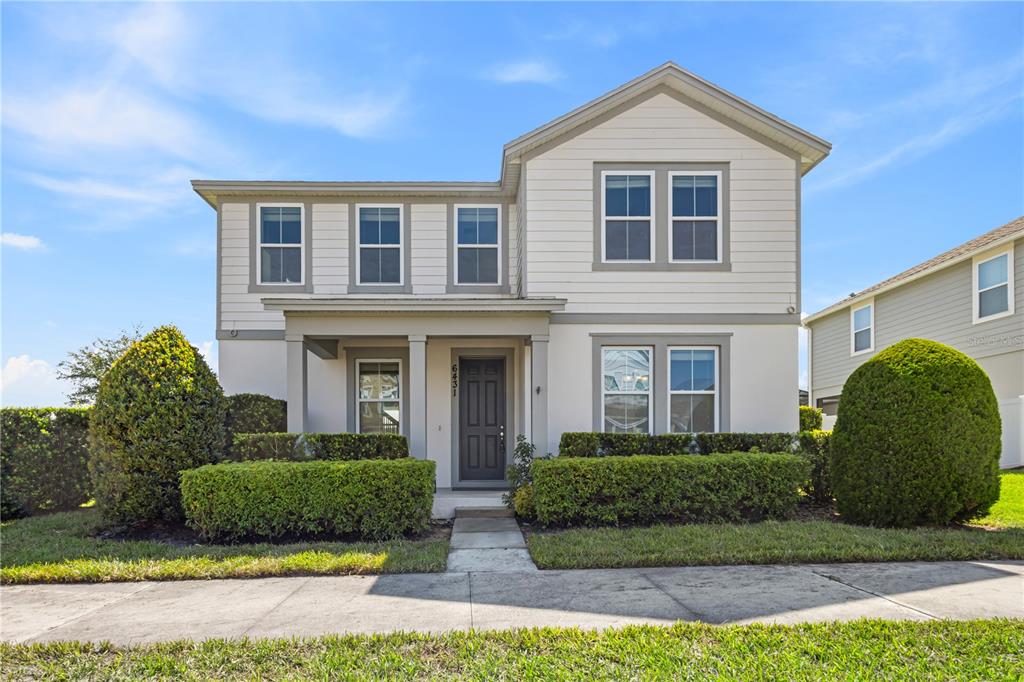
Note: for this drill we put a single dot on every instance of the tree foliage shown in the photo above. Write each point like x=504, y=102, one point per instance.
x=86, y=366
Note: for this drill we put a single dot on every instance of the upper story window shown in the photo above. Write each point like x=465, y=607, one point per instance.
x=696, y=217
x=379, y=257
x=862, y=329
x=379, y=396
x=993, y=286
x=477, y=254
x=627, y=216
x=626, y=389
x=693, y=389
x=280, y=244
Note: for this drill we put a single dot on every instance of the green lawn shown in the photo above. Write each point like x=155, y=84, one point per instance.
x=858, y=650
x=787, y=542
x=59, y=548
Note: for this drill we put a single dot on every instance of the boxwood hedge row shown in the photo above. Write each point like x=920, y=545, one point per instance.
x=302, y=447
x=594, y=444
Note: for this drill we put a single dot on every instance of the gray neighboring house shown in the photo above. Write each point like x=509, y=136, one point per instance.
x=970, y=297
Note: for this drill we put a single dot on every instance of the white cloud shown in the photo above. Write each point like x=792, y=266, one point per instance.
x=524, y=72
x=30, y=382
x=576, y=31
x=25, y=242
x=209, y=352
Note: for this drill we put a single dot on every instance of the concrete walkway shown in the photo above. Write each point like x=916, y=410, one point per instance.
x=487, y=541
x=282, y=607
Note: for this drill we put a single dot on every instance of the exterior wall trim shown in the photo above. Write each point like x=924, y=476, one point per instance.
x=502, y=287
x=675, y=318
x=354, y=287
x=307, y=253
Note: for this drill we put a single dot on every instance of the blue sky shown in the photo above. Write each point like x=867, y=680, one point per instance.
x=110, y=109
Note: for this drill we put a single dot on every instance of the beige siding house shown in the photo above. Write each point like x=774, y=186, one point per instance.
x=971, y=298
x=635, y=268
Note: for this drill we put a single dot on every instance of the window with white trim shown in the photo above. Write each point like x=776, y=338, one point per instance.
x=627, y=218
x=993, y=286
x=379, y=257
x=280, y=243
x=379, y=396
x=696, y=212
x=626, y=389
x=477, y=257
x=862, y=329
x=693, y=389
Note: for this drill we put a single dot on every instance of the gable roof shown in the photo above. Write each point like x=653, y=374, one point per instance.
x=1001, y=235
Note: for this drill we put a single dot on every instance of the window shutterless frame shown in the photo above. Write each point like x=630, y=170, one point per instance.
x=870, y=328
x=605, y=217
x=977, y=289
x=400, y=247
x=715, y=392
x=301, y=245
x=650, y=383
x=359, y=400
x=458, y=245
x=717, y=218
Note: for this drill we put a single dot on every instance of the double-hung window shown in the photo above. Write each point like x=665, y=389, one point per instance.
x=379, y=257
x=627, y=216
x=477, y=254
x=378, y=397
x=696, y=210
x=693, y=389
x=280, y=244
x=862, y=329
x=626, y=389
x=993, y=286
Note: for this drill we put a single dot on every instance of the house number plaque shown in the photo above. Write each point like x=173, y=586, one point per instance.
x=455, y=380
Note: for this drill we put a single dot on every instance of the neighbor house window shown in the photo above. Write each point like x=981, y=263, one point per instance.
x=696, y=217
x=280, y=244
x=628, y=216
x=829, y=405
x=993, y=286
x=378, y=396
x=476, y=246
x=862, y=329
x=380, y=245
x=626, y=389
x=693, y=390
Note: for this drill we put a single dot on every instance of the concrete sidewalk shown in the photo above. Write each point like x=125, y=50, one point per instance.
x=282, y=607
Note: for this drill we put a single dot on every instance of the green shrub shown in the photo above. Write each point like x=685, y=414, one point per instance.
x=814, y=445
x=159, y=410
x=595, y=444
x=708, y=443
x=44, y=460
x=644, y=488
x=519, y=473
x=254, y=413
x=523, y=504
x=917, y=438
x=372, y=499
x=811, y=418
x=303, y=447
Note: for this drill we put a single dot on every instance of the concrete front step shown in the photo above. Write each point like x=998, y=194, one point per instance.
x=482, y=512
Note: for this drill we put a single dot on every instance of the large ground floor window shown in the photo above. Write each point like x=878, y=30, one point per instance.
x=378, y=396
x=626, y=389
x=693, y=389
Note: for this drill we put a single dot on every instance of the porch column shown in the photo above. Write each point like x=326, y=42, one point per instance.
x=539, y=394
x=297, y=390
x=418, y=396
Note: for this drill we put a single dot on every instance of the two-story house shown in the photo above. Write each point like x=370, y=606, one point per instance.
x=635, y=268
x=970, y=297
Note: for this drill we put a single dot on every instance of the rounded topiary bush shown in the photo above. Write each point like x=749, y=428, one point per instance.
x=917, y=438
x=159, y=410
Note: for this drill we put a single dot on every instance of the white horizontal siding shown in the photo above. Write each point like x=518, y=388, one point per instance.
x=238, y=308
x=330, y=248
x=429, y=248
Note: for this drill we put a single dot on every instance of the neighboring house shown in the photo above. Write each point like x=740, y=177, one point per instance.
x=635, y=268
x=970, y=297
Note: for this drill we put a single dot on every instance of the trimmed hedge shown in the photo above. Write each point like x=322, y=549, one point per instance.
x=306, y=447
x=371, y=499
x=595, y=444
x=44, y=460
x=645, y=488
x=254, y=413
x=917, y=438
x=811, y=418
x=814, y=445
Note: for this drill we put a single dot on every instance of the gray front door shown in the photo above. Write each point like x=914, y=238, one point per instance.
x=481, y=419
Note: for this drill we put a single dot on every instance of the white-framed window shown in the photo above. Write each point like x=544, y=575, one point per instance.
x=626, y=404
x=692, y=389
x=627, y=216
x=695, y=205
x=862, y=329
x=993, y=286
x=379, y=244
x=281, y=246
x=477, y=244
x=379, y=396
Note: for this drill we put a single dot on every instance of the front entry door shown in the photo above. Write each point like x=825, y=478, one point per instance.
x=482, y=419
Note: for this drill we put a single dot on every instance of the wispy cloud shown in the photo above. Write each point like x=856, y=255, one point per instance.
x=23, y=242
x=523, y=72
x=30, y=382
x=578, y=31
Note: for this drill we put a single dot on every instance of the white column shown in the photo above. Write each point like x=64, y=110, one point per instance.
x=298, y=391
x=539, y=394
x=418, y=396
